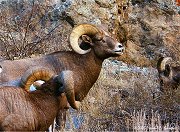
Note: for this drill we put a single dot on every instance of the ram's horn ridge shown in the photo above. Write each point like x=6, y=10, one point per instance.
x=35, y=74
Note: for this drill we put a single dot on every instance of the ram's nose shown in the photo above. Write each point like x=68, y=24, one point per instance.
x=0, y=68
x=119, y=48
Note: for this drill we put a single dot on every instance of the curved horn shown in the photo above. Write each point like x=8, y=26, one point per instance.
x=86, y=29
x=66, y=78
x=161, y=65
x=34, y=74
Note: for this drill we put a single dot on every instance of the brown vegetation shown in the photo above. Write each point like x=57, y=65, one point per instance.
x=28, y=28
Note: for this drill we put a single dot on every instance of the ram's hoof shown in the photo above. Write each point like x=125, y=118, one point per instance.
x=78, y=104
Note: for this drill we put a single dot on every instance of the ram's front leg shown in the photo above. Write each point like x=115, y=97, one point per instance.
x=67, y=79
x=61, y=120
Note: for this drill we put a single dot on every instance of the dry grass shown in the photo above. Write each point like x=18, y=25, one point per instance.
x=29, y=28
x=127, y=100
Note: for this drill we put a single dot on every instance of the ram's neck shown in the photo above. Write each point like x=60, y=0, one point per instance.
x=86, y=69
x=87, y=75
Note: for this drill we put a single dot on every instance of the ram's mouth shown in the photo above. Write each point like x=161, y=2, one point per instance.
x=120, y=52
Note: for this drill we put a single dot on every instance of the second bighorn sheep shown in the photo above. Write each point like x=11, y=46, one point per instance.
x=32, y=111
x=169, y=76
x=85, y=63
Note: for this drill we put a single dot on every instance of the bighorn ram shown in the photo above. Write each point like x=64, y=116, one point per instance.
x=85, y=63
x=169, y=76
x=32, y=111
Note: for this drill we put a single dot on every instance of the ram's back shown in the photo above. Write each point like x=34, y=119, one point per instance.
x=15, y=108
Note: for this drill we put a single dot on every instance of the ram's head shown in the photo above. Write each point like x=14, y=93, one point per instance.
x=62, y=84
x=169, y=76
x=96, y=39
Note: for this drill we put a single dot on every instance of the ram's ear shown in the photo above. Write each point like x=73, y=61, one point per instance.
x=98, y=36
x=86, y=39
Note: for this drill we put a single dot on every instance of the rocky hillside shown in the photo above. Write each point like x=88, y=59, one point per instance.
x=148, y=28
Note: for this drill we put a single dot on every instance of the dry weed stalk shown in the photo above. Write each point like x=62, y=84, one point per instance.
x=25, y=28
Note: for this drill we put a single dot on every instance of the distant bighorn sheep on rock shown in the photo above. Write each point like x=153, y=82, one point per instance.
x=33, y=111
x=169, y=76
x=85, y=63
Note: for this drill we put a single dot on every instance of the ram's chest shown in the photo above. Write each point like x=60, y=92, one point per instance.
x=84, y=82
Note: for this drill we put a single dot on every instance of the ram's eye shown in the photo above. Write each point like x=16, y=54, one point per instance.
x=103, y=41
x=161, y=82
